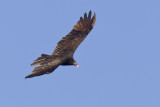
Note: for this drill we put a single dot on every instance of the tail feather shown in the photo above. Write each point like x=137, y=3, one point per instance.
x=40, y=60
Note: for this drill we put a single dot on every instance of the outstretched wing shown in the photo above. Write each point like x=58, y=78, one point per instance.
x=40, y=70
x=69, y=43
x=45, y=67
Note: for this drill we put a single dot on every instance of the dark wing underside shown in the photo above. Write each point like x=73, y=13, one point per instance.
x=43, y=69
x=69, y=43
x=66, y=46
x=46, y=65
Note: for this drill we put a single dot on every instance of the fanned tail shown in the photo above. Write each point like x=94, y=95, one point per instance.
x=40, y=60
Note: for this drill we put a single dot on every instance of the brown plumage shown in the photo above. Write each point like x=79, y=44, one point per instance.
x=63, y=53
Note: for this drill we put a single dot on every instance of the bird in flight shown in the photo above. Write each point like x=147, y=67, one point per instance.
x=64, y=51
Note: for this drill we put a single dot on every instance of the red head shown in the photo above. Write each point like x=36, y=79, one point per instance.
x=75, y=63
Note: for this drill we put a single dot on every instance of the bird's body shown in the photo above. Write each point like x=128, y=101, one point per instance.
x=63, y=54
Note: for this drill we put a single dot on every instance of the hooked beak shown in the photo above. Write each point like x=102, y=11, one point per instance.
x=76, y=64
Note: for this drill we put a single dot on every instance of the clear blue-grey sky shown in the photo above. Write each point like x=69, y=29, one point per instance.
x=119, y=61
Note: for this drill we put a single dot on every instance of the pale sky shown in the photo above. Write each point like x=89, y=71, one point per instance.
x=119, y=61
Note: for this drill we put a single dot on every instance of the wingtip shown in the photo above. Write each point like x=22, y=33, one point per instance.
x=30, y=76
x=90, y=12
x=93, y=19
x=89, y=15
x=94, y=15
x=27, y=77
x=85, y=15
x=34, y=63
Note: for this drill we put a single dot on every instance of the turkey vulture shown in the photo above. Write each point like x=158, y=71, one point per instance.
x=63, y=53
